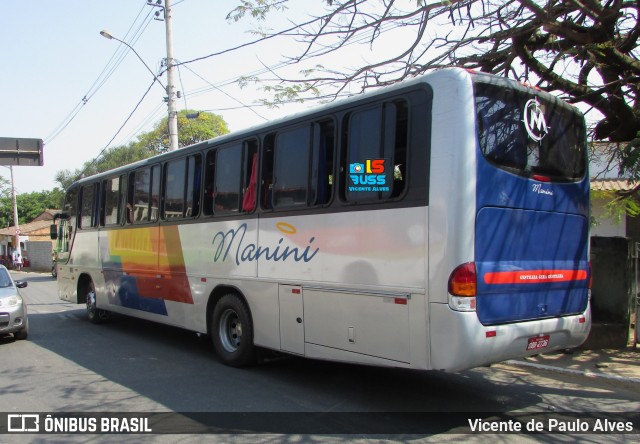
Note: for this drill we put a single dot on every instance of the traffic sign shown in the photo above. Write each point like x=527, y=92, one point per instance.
x=23, y=152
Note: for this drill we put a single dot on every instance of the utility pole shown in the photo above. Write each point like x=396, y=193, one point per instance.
x=164, y=13
x=15, y=214
x=171, y=88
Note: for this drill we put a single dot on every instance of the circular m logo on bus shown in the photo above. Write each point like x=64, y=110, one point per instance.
x=534, y=121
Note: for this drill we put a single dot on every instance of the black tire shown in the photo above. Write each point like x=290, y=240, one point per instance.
x=54, y=272
x=95, y=314
x=232, y=332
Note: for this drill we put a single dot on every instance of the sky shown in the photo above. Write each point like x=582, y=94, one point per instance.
x=53, y=62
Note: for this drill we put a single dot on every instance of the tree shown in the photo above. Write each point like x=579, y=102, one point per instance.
x=30, y=205
x=6, y=204
x=193, y=127
x=5, y=187
x=583, y=50
x=111, y=158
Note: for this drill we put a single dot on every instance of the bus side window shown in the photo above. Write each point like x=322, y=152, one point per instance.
x=129, y=213
x=291, y=167
x=141, y=195
x=228, y=180
x=89, y=209
x=154, y=203
x=144, y=194
x=70, y=206
x=322, y=163
x=112, y=190
x=194, y=179
x=266, y=177
x=400, y=146
x=250, y=174
x=209, y=182
x=182, y=187
x=374, y=164
x=174, y=180
x=122, y=199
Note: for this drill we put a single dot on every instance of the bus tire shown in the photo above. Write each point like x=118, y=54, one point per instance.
x=232, y=332
x=95, y=314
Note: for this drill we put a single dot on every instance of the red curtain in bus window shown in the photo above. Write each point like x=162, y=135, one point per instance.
x=249, y=199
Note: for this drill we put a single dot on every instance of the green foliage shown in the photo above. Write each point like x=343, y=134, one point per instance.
x=288, y=93
x=30, y=205
x=629, y=155
x=257, y=10
x=198, y=127
x=5, y=187
x=617, y=205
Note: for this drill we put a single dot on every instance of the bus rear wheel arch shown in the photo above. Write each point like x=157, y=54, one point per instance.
x=232, y=331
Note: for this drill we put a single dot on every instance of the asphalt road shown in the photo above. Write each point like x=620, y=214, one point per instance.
x=70, y=365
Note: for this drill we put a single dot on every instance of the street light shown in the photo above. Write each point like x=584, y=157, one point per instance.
x=170, y=88
x=104, y=33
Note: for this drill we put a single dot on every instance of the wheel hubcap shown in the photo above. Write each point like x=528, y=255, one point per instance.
x=91, y=302
x=230, y=330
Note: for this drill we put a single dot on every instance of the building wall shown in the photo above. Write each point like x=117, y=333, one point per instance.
x=39, y=254
x=606, y=226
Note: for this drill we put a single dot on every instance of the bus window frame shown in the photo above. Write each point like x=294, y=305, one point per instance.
x=119, y=207
x=287, y=131
x=317, y=126
x=386, y=150
x=131, y=194
x=209, y=184
x=189, y=187
x=95, y=205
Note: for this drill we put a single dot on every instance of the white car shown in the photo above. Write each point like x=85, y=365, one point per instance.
x=13, y=309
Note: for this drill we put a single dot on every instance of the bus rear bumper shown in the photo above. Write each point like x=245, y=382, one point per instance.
x=459, y=341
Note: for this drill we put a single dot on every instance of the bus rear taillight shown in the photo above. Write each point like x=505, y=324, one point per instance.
x=462, y=287
x=541, y=178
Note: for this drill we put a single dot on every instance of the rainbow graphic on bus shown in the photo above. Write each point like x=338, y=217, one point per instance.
x=144, y=267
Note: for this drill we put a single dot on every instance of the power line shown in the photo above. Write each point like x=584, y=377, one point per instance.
x=152, y=116
x=110, y=67
x=228, y=95
x=119, y=55
x=93, y=162
x=320, y=51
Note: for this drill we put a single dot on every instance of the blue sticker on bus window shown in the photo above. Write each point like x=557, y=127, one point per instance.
x=370, y=175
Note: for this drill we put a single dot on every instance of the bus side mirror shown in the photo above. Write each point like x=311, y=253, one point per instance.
x=53, y=231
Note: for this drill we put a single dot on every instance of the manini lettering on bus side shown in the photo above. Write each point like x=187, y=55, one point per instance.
x=223, y=243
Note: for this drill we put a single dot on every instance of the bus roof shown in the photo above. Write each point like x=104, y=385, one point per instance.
x=461, y=73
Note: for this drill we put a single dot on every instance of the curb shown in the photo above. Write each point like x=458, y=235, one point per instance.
x=572, y=371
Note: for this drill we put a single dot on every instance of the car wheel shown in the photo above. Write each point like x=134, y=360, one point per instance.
x=232, y=332
x=21, y=335
x=95, y=314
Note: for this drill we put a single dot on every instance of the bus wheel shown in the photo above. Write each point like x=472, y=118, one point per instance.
x=232, y=332
x=96, y=315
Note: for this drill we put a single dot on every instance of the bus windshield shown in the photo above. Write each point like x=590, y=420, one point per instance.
x=528, y=135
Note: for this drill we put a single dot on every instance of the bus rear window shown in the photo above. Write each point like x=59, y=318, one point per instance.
x=514, y=135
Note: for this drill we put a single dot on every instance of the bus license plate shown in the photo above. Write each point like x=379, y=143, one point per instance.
x=538, y=342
